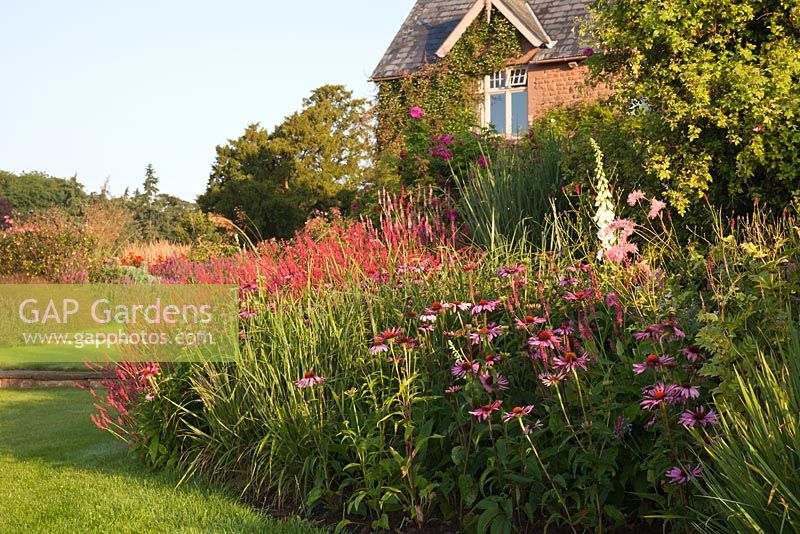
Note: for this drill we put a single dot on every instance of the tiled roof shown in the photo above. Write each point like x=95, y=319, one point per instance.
x=560, y=19
x=432, y=21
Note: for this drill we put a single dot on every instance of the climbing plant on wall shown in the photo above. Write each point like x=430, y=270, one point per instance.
x=447, y=91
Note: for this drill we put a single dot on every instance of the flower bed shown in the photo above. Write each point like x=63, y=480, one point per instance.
x=395, y=379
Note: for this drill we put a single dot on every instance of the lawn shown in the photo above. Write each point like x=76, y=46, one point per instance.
x=58, y=473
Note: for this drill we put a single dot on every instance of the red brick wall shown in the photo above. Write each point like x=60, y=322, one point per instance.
x=558, y=84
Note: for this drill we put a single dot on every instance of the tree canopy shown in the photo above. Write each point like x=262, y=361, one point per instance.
x=715, y=86
x=33, y=191
x=314, y=160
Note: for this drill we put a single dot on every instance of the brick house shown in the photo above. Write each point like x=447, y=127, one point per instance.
x=549, y=73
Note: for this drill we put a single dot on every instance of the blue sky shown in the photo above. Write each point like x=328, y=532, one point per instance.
x=100, y=89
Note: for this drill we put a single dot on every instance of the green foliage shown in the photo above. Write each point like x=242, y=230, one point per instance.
x=445, y=90
x=34, y=191
x=112, y=272
x=6, y=213
x=208, y=239
x=616, y=134
x=508, y=198
x=752, y=284
x=271, y=182
x=156, y=215
x=718, y=82
x=753, y=471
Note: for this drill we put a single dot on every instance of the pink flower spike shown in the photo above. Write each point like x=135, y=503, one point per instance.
x=635, y=197
x=485, y=412
x=656, y=206
x=517, y=412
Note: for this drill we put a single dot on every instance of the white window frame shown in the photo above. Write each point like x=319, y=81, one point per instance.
x=507, y=81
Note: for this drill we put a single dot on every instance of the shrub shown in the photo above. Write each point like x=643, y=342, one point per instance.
x=110, y=223
x=51, y=245
x=716, y=88
x=6, y=214
x=209, y=236
x=112, y=271
x=616, y=134
x=433, y=157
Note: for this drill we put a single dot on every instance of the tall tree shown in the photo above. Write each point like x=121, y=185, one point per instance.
x=157, y=214
x=272, y=182
x=148, y=206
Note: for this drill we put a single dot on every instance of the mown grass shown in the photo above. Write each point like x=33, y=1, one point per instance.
x=60, y=474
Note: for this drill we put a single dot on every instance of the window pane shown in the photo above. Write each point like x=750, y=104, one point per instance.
x=518, y=77
x=497, y=114
x=497, y=80
x=519, y=112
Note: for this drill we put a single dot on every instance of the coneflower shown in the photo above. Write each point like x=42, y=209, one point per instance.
x=654, y=362
x=517, y=412
x=309, y=379
x=528, y=321
x=461, y=368
x=571, y=362
x=485, y=306
x=486, y=333
x=545, y=339
x=656, y=395
x=698, y=416
x=680, y=475
x=485, y=412
x=493, y=384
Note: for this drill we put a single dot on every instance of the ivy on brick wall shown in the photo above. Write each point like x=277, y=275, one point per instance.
x=446, y=90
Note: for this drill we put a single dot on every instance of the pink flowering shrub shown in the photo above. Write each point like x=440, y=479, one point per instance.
x=432, y=157
x=51, y=245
